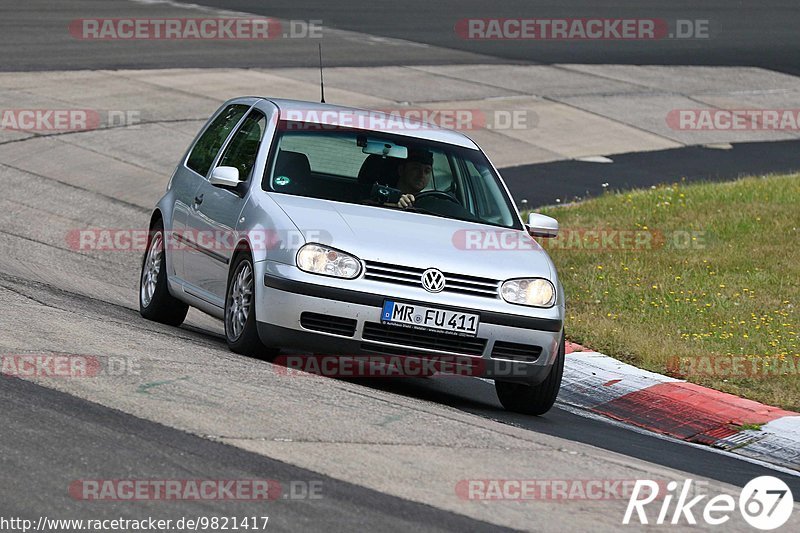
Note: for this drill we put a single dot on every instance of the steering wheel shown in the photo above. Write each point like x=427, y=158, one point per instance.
x=436, y=194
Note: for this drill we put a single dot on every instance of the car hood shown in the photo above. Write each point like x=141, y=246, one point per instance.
x=417, y=240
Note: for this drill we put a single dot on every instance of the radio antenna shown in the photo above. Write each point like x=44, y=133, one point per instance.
x=321, y=81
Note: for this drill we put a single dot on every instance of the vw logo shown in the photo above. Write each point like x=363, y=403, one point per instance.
x=433, y=280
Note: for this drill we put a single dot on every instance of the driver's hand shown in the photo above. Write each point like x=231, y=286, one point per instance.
x=405, y=201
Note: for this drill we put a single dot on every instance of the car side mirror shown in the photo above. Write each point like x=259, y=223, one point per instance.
x=225, y=177
x=542, y=226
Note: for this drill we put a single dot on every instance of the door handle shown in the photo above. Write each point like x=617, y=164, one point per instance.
x=198, y=199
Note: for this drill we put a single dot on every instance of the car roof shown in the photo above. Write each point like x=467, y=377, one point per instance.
x=335, y=115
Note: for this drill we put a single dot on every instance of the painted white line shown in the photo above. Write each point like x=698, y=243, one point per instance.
x=594, y=159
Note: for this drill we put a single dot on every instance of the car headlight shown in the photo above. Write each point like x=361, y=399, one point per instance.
x=318, y=259
x=536, y=292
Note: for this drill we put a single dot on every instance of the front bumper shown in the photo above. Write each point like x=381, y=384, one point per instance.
x=280, y=301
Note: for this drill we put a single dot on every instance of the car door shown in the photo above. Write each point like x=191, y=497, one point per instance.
x=192, y=173
x=215, y=213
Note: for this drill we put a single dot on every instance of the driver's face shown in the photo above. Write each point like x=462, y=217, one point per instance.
x=414, y=176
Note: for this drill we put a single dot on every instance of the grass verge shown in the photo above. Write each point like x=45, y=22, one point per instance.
x=698, y=281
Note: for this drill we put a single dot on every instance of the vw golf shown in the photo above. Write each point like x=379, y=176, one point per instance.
x=334, y=230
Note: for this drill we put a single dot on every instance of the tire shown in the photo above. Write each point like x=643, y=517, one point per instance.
x=241, y=331
x=155, y=301
x=537, y=399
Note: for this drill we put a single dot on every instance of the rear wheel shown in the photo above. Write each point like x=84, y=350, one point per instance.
x=155, y=301
x=241, y=331
x=537, y=399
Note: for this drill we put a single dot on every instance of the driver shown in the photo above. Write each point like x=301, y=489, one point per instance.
x=414, y=175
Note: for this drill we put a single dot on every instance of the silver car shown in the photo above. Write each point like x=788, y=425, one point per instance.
x=292, y=222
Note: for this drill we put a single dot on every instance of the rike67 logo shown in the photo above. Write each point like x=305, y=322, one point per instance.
x=765, y=503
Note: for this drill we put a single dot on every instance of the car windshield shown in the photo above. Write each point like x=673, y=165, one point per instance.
x=344, y=165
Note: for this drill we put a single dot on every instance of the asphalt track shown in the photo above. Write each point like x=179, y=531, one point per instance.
x=756, y=33
x=740, y=33
x=468, y=395
x=47, y=437
x=568, y=181
x=50, y=438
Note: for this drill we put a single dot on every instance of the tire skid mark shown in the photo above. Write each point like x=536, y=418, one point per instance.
x=111, y=199
x=17, y=286
x=59, y=248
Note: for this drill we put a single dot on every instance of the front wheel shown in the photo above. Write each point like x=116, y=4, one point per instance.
x=241, y=331
x=537, y=399
x=155, y=301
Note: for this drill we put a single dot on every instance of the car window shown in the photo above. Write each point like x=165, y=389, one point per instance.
x=442, y=172
x=208, y=145
x=334, y=164
x=486, y=199
x=243, y=147
x=327, y=154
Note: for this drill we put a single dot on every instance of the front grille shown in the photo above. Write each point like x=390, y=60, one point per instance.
x=328, y=324
x=412, y=276
x=516, y=352
x=428, y=340
x=370, y=348
x=472, y=364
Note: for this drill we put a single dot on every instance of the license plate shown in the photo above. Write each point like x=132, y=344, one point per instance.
x=429, y=318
